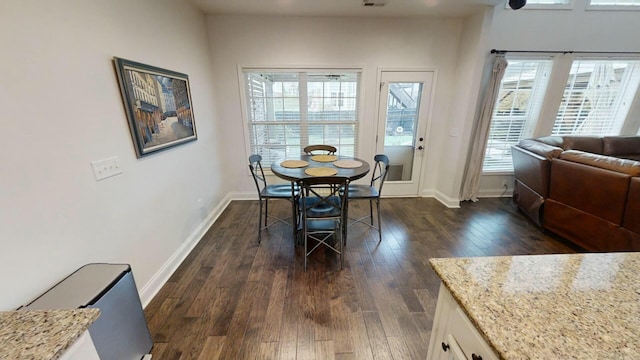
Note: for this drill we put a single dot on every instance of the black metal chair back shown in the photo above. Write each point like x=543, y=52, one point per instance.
x=276, y=191
x=320, y=150
x=324, y=204
x=379, y=173
x=372, y=192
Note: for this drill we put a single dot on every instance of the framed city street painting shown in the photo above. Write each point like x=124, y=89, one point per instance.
x=158, y=106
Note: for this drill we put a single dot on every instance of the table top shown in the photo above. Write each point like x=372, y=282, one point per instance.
x=579, y=306
x=295, y=174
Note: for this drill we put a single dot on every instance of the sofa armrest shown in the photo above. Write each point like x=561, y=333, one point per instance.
x=540, y=148
x=632, y=210
x=531, y=169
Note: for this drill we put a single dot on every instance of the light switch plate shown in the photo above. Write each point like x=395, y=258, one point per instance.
x=106, y=168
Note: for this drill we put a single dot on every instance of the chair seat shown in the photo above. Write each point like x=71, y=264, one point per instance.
x=278, y=191
x=321, y=210
x=328, y=224
x=362, y=192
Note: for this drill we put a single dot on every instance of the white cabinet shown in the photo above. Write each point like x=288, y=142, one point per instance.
x=453, y=336
x=82, y=349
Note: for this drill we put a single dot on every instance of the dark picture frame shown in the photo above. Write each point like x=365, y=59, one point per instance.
x=158, y=106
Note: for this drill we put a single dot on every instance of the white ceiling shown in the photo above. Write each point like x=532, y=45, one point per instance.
x=392, y=8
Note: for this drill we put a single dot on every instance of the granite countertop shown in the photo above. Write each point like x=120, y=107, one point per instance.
x=41, y=334
x=581, y=306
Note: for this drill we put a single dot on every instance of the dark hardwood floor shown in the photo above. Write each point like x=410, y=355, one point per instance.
x=233, y=298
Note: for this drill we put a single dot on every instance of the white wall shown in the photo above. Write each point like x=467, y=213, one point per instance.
x=469, y=67
x=62, y=109
x=372, y=44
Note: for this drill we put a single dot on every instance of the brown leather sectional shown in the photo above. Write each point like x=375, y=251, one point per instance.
x=585, y=189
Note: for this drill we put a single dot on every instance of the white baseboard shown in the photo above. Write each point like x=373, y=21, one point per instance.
x=494, y=193
x=445, y=200
x=245, y=195
x=451, y=203
x=151, y=288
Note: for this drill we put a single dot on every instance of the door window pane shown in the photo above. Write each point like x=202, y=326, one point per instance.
x=402, y=115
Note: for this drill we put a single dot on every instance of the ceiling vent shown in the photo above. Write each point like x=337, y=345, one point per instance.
x=370, y=3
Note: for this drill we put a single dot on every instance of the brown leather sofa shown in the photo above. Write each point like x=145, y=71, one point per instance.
x=585, y=189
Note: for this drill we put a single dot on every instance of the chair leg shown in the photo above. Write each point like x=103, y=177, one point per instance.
x=371, y=211
x=266, y=212
x=342, y=243
x=379, y=223
x=294, y=220
x=260, y=222
x=305, y=246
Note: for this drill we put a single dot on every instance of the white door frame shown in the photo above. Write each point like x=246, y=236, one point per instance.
x=413, y=187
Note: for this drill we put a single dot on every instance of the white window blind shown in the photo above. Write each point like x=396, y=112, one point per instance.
x=614, y=2
x=287, y=111
x=516, y=110
x=597, y=97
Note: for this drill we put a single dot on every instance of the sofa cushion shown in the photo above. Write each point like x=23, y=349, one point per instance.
x=590, y=144
x=621, y=145
x=635, y=157
x=600, y=192
x=625, y=166
x=540, y=148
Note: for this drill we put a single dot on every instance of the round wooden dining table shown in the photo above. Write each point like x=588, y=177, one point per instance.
x=295, y=174
x=298, y=173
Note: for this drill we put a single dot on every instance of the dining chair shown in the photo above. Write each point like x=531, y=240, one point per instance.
x=324, y=214
x=320, y=149
x=276, y=191
x=371, y=192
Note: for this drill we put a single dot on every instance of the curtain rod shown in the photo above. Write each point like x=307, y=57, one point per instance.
x=495, y=51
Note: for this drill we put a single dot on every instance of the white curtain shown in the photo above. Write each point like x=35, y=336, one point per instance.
x=473, y=171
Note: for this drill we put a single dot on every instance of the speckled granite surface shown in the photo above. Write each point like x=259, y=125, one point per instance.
x=41, y=334
x=583, y=306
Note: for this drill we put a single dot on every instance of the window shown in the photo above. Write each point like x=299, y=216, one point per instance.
x=597, y=97
x=586, y=96
x=613, y=5
x=516, y=110
x=595, y=3
x=547, y=4
x=287, y=111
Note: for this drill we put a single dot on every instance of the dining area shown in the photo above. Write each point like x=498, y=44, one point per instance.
x=319, y=185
